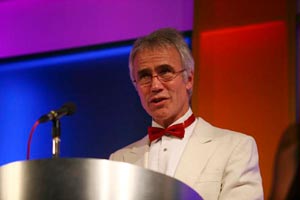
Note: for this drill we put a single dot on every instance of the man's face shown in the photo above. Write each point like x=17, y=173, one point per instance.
x=164, y=101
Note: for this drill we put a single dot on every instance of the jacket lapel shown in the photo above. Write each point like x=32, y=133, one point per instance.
x=197, y=152
x=138, y=154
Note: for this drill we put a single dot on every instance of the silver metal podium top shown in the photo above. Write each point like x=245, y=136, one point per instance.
x=87, y=179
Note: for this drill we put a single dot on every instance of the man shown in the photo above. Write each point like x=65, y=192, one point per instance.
x=217, y=163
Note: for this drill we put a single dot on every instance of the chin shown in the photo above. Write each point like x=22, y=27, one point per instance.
x=160, y=115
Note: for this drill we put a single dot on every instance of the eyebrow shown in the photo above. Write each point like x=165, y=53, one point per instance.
x=147, y=69
x=164, y=66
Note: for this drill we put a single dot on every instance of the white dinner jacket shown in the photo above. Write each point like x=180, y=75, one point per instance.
x=216, y=163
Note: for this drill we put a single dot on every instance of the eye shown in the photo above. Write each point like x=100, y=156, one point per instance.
x=165, y=70
x=143, y=75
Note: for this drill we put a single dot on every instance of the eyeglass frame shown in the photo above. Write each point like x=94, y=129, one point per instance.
x=159, y=78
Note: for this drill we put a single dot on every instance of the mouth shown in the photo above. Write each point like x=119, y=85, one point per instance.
x=157, y=100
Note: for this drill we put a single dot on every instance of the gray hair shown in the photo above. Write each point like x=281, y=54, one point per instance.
x=164, y=37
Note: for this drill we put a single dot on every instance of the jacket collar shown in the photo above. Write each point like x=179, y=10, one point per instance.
x=197, y=152
x=198, y=145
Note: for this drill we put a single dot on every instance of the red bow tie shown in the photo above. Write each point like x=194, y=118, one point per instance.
x=176, y=130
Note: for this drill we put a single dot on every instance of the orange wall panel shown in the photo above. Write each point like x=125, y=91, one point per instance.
x=243, y=84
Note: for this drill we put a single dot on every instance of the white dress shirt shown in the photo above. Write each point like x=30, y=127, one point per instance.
x=164, y=154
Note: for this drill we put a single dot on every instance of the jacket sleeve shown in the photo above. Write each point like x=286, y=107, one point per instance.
x=241, y=177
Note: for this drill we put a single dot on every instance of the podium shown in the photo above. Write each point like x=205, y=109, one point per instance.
x=87, y=179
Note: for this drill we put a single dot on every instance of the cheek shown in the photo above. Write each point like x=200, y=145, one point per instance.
x=142, y=95
x=180, y=93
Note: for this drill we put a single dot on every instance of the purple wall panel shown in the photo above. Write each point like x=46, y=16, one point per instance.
x=32, y=26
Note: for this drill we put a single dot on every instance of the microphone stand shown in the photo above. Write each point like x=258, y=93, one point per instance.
x=55, y=138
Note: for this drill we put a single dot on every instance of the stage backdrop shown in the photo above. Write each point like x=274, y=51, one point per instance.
x=52, y=52
x=108, y=117
x=108, y=113
x=31, y=26
x=246, y=70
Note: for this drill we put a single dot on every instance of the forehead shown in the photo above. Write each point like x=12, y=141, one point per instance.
x=155, y=57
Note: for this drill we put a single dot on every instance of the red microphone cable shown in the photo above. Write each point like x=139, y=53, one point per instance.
x=30, y=137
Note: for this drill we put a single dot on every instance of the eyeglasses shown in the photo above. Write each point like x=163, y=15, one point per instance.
x=163, y=76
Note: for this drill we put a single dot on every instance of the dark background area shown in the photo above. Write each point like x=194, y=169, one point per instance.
x=108, y=117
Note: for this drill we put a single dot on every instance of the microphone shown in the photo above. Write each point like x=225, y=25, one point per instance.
x=67, y=109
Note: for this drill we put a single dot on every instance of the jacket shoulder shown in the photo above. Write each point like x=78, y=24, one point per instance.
x=207, y=130
x=136, y=146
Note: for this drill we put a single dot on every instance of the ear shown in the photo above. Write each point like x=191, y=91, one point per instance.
x=190, y=81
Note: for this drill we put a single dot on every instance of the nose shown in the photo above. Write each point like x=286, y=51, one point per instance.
x=156, y=84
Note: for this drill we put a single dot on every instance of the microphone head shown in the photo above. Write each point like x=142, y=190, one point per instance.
x=69, y=108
